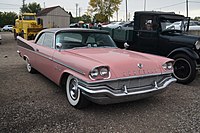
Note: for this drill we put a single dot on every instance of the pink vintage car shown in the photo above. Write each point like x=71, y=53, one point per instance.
x=90, y=67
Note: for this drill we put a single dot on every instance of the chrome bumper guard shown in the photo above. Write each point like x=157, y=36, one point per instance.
x=103, y=95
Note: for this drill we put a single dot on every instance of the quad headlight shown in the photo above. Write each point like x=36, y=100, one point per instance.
x=104, y=71
x=168, y=66
x=94, y=73
x=98, y=73
x=197, y=45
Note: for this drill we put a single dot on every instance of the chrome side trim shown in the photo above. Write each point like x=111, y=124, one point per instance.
x=56, y=61
x=124, y=93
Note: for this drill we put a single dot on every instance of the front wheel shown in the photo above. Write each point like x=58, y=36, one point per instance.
x=74, y=95
x=15, y=35
x=184, y=68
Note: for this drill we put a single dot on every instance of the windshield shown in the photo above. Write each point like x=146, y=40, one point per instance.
x=28, y=17
x=84, y=40
x=172, y=24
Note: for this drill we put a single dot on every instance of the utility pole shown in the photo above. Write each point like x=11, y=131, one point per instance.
x=117, y=15
x=79, y=12
x=126, y=12
x=44, y=4
x=76, y=9
x=145, y=5
x=187, y=7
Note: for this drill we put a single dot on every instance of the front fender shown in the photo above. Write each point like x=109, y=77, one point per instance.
x=191, y=53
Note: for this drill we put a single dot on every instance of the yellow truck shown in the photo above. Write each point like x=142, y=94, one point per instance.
x=26, y=26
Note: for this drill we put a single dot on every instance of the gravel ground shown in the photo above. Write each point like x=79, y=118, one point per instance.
x=32, y=103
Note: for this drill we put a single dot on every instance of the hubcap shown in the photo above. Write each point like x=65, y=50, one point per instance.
x=182, y=69
x=73, y=89
x=28, y=66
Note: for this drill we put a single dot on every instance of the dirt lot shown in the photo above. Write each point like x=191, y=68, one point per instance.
x=32, y=103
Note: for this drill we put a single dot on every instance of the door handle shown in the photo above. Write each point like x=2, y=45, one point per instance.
x=37, y=50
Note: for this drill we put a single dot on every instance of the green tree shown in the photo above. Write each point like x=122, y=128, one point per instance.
x=30, y=8
x=197, y=18
x=104, y=9
x=86, y=18
x=7, y=18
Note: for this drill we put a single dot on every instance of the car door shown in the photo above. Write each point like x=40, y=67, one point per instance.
x=44, y=53
x=146, y=37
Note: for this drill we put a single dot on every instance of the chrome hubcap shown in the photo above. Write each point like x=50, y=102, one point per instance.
x=28, y=66
x=73, y=89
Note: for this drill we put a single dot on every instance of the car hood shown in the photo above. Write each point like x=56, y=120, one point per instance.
x=122, y=63
x=183, y=39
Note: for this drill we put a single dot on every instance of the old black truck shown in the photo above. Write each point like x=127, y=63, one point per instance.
x=164, y=34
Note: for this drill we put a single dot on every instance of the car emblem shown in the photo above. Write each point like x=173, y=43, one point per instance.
x=140, y=66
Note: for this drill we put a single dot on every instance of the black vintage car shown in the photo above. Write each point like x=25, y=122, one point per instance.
x=165, y=34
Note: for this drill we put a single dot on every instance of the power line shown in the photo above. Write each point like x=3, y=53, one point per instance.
x=9, y=4
x=194, y=1
x=171, y=5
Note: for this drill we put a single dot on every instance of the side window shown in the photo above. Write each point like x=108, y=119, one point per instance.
x=91, y=39
x=48, y=40
x=69, y=40
x=41, y=39
x=148, y=23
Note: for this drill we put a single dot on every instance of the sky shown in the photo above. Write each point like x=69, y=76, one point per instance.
x=177, y=6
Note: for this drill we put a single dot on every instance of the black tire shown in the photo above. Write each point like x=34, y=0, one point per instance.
x=74, y=94
x=15, y=35
x=22, y=34
x=184, y=68
x=29, y=68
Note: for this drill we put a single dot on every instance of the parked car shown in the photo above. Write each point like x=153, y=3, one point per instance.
x=113, y=24
x=182, y=25
x=89, y=66
x=7, y=28
x=74, y=25
x=127, y=25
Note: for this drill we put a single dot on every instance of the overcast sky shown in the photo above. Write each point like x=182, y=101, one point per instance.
x=177, y=6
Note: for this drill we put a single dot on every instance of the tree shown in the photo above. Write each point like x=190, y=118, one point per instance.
x=104, y=9
x=30, y=8
x=7, y=18
x=197, y=18
x=86, y=18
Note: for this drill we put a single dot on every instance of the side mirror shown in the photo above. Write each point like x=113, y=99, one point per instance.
x=126, y=45
x=58, y=46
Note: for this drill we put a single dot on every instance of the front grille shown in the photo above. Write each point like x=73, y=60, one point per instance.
x=137, y=83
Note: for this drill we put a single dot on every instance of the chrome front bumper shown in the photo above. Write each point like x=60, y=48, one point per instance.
x=104, y=95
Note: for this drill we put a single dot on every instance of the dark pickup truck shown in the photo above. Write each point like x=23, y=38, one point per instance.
x=164, y=34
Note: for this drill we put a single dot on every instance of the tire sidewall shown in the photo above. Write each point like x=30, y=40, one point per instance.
x=69, y=98
x=192, y=66
x=28, y=65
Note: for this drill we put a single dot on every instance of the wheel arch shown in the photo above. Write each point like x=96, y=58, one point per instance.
x=192, y=54
x=25, y=57
x=63, y=79
x=65, y=74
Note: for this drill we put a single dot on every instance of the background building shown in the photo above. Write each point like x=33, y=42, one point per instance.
x=54, y=17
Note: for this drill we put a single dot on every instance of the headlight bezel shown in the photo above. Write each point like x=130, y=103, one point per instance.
x=168, y=66
x=103, y=73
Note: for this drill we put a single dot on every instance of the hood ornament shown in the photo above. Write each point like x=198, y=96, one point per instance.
x=140, y=65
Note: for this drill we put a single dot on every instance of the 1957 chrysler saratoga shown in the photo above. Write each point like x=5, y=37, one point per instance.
x=89, y=66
